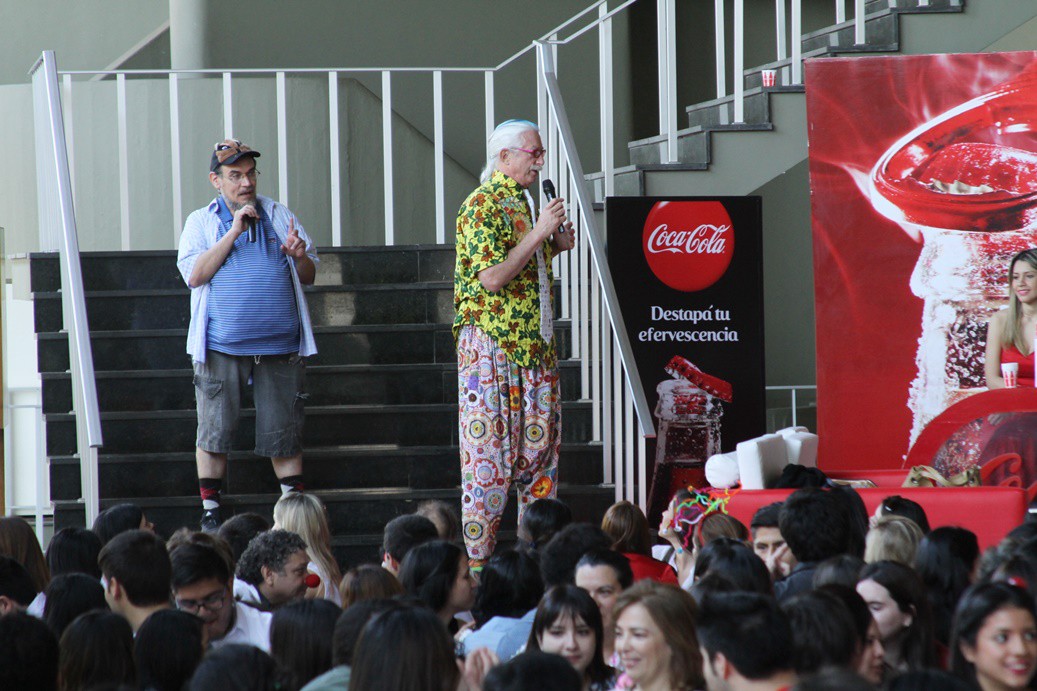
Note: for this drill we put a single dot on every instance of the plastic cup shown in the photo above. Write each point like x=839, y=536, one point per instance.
x=1010, y=373
x=769, y=77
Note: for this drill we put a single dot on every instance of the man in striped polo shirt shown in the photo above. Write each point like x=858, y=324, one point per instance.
x=246, y=258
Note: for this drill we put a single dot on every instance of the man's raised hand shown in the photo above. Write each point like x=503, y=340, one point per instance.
x=293, y=245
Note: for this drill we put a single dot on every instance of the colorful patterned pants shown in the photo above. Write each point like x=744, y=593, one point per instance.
x=510, y=422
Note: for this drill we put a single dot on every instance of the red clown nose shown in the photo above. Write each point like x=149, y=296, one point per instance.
x=312, y=580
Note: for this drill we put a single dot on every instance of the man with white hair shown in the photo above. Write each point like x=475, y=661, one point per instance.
x=509, y=402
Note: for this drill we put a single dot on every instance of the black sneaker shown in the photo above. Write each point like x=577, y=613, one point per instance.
x=211, y=520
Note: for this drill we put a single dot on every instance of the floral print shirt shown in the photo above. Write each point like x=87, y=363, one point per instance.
x=494, y=219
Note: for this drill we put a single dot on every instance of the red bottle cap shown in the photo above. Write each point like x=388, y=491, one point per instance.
x=715, y=386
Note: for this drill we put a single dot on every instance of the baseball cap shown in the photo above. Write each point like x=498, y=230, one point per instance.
x=228, y=151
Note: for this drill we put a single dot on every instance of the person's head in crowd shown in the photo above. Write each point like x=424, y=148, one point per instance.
x=368, y=582
x=136, y=574
x=604, y=574
x=443, y=516
x=765, y=533
x=815, y=525
x=238, y=531
x=627, y=526
x=893, y=538
x=898, y=602
x=715, y=526
x=509, y=586
x=96, y=648
x=1018, y=568
x=844, y=569
x=737, y=562
x=28, y=654
x=437, y=574
x=655, y=636
x=275, y=564
x=350, y=624
x=540, y=522
x=201, y=584
x=186, y=536
x=68, y=596
x=18, y=541
x=711, y=584
x=994, y=639
x=74, y=550
x=404, y=648
x=558, y=558
x=305, y=515
x=823, y=632
x=945, y=562
x=401, y=535
x=870, y=658
x=533, y=670
x=833, y=679
x=238, y=667
x=897, y=505
x=746, y=642
x=301, y=635
x=167, y=650
x=1025, y=531
x=857, y=513
x=568, y=623
x=118, y=519
x=16, y=588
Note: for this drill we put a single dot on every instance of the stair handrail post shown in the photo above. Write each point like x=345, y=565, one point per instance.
x=57, y=231
x=667, y=39
x=592, y=236
x=797, y=42
x=858, y=22
x=720, y=41
x=739, y=59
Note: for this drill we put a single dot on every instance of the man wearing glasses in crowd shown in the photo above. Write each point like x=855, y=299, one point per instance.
x=246, y=258
x=509, y=403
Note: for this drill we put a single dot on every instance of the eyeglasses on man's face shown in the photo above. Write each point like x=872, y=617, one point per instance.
x=236, y=177
x=212, y=603
x=535, y=153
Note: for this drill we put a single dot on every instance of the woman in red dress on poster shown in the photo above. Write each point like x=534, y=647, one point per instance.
x=1010, y=339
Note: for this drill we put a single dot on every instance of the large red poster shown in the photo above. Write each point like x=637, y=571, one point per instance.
x=923, y=174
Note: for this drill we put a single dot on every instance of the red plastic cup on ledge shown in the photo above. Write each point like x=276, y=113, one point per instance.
x=769, y=77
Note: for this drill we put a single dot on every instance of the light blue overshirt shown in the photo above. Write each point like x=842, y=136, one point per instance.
x=201, y=232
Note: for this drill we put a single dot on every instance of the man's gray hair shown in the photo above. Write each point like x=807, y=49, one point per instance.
x=271, y=549
x=507, y=135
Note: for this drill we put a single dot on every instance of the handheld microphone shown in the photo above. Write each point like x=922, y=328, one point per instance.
x=251, y=229
x=549, y=194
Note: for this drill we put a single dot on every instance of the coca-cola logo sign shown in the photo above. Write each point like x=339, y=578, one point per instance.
x=688, y=245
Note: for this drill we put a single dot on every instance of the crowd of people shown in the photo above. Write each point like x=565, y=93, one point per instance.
x=814, y=594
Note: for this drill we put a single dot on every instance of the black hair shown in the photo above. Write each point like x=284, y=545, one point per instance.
x=823, y=631
x=944, y=562
x=429, y=570
x=843, y=569
x=925, y=680
x=405, y=648
x=238, y=531
x=815, y=525
x=192, y=562
x=74, y=550
x=540, y=522
x=117, y=519
x=977, y=604
x=28, y=653
x=237, y=667
x=712, y=583
x=568, y=600
x=766, y=516
x=855, y=605
x=15, y=582
x=737, y=562
x=271, y=549
x=404, y=533
x=68, y=596
x=509, y=586
x=139, y=561
x=907, y=590
x=350, y=625
x=559, y=557
x=96, y=648
x=533, y=670
x=749, y=629
x=896, y=505
x=300, y=637
x=857, y=514
x=833, y=679
x=167, y=650
x=614, y=560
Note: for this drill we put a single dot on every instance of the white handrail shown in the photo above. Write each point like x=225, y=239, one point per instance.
x=58, y=231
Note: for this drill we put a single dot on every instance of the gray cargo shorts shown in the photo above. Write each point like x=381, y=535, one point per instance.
x=279, y=385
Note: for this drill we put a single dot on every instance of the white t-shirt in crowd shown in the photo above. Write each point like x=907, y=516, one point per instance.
x=251, y=627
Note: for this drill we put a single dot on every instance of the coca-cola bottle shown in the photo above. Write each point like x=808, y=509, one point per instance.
x=689, y=413
x=965, y=184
